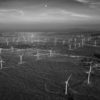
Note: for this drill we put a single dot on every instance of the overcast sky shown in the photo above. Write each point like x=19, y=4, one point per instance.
x=50, y=15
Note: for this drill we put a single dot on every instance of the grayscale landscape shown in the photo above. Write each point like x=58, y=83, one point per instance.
x=38, y=66
x=49, y=49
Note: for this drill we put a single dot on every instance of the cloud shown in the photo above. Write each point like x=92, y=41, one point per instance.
x=72, y=14
x=83, y=1
x=91, y=3
x=63, y=13
x=42, y=16
x=11, y=12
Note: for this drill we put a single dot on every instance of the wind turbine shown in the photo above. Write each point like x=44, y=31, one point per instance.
x=79, y=45
x=75, y=39
x=69, y=40
x=17, y=41
x=95, y=43
x=32, y=38
x=70, y=47
x=75, y=45
x=55, y=41
x=83, y=41
x=21, y=59
x=1, y=64
x=67, y=84
x=1, y=50
x=24, y=38
x=51, y=53
x=89, y=75
x=7, y=42
x=37, y=54
x=12, y=49
x=63, y=42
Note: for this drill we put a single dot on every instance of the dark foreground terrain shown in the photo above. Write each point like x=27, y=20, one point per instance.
x=44, y=78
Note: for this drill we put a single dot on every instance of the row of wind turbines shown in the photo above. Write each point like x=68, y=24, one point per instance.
x=75, y=40
x=21, y=54
x=84, y=41
x=73, y=43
